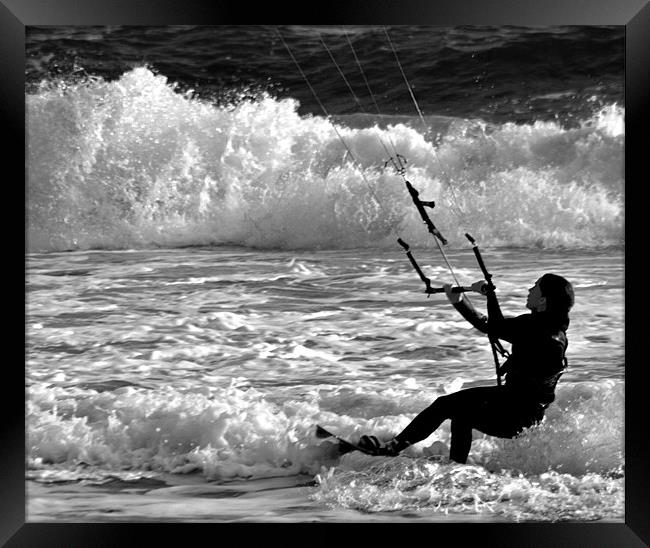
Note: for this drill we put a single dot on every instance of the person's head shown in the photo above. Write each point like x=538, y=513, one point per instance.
x=553, y=295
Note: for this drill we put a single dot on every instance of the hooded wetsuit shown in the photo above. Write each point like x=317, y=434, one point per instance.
x=537, y=356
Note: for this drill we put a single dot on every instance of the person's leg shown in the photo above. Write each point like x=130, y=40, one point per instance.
x=483, y=408
x=494, y=413
x=463, y=405
x=461, y=440
x=420, y=427
x=426, y=422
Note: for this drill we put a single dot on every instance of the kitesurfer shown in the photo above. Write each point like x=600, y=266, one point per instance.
x=536, y=362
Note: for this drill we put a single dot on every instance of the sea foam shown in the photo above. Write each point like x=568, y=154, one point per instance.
x=568, y=467
x=135, y=163
x=230, y=431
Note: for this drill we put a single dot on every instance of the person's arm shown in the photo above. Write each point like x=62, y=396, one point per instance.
x=493, y=309
x=466, y=309
x=494, y=323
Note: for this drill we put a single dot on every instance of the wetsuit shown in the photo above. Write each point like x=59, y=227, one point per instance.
x=531, y=372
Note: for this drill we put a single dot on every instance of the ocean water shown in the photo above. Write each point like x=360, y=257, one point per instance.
x=212, y=268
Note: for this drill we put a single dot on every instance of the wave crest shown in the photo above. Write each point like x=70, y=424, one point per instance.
x=134, y=163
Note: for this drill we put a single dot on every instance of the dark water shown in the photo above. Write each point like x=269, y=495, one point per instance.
x=499, y=74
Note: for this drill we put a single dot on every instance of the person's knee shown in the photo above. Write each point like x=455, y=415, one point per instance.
x=460, y=425
x=442, y=402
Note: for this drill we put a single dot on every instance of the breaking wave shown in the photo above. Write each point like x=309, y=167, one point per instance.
x=135, y=163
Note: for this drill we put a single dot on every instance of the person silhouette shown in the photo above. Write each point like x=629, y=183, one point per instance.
x=536, y=362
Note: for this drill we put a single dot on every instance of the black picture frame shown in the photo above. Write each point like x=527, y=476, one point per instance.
x=15, y=15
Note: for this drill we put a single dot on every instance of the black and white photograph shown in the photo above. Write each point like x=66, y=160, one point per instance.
x=243, y=246
x=352, y=273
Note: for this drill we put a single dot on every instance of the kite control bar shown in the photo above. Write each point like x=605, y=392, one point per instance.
x=455, y=289
x=427, y=282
